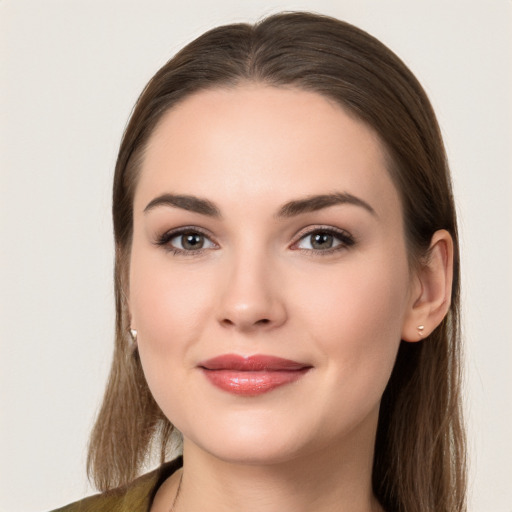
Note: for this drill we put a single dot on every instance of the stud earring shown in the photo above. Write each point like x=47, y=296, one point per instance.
x=420, y=330
x=133, y=334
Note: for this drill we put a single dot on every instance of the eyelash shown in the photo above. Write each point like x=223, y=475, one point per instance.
x=165, y=238
x=346, y=241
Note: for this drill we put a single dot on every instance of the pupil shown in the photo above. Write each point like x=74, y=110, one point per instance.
x=192, y=241
x=322, y=241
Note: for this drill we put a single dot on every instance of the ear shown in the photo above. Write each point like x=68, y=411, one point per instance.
x=431, y=289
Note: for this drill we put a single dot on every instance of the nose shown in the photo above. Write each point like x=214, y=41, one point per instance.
x=251, y=297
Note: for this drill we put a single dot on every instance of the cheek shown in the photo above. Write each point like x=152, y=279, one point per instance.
x=166, y=304
x=169, y=310
x=355, y=315
x=365, y=295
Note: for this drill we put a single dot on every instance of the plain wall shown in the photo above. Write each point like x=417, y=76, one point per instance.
x=70, y=74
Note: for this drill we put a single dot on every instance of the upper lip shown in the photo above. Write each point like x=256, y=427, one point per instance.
x=251, y=363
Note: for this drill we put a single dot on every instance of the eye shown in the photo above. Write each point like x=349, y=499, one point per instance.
x=325, y=240
x=185, y=241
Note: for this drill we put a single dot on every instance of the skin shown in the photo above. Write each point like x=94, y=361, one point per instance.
x=259, y=286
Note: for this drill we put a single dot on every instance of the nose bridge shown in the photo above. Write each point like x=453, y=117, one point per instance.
x=250, y=297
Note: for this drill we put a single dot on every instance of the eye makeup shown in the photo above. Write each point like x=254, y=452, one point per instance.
x=324, y=240
x=193, y=241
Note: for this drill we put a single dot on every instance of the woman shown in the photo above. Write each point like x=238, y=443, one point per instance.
x=287, y=283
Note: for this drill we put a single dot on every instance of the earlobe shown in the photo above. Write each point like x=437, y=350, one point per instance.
x=431, y=296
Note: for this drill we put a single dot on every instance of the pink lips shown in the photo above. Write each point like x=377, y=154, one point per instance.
x=252, y=375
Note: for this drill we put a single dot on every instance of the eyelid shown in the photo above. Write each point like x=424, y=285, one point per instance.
x=164, y=239
x=346, y=239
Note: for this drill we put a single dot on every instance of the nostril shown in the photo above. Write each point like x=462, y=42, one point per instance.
x=262, y=321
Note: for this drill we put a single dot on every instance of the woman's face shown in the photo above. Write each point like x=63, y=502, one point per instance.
x=267, y=226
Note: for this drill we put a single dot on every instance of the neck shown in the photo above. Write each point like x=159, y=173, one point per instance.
x=326, y=480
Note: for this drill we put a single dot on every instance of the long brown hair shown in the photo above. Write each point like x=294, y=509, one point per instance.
x=419, y=462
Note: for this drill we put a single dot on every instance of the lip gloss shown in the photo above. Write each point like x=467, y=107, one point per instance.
x=252, y=375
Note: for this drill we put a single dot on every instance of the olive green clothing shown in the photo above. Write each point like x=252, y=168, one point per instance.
x=134, y=497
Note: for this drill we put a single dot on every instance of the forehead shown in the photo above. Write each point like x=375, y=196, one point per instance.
x=262, y=143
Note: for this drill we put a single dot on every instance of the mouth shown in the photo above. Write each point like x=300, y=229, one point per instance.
x=253, y=375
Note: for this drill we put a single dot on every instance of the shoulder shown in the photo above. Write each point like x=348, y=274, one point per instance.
x=134, y=497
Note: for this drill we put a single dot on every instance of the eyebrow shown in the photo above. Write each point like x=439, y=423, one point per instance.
x=190, y=203
x=290, y=209
x=315, y=203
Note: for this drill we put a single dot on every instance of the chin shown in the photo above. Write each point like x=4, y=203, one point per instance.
x=249, y=442
x=262, y=452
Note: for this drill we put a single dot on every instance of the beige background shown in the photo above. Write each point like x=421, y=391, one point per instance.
x=70, y=73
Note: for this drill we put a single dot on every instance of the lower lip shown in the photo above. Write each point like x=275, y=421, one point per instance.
x=252, y=383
